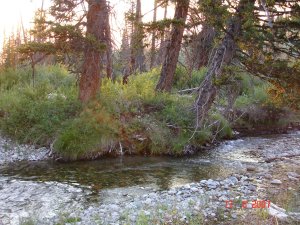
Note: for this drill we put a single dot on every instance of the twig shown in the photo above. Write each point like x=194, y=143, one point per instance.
x=192, y=90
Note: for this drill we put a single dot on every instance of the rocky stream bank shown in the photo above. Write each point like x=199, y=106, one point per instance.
x=262, y=168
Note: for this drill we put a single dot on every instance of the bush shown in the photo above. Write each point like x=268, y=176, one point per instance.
x=11, y=77
x=257, y=108
x=35, y=115
x=133, y=116
x=94, y=132
x=221, y=127
x=183, y=80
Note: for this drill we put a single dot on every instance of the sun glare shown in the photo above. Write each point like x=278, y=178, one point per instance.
x=12, y=12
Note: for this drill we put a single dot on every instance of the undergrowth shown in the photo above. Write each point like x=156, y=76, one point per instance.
x=132, y=118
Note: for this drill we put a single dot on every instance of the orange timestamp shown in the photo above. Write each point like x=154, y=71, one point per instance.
x=255, y=204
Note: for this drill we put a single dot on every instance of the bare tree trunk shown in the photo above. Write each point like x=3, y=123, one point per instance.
x=109, y=65
x=162, y=46
x=223, y=56
x=152, y=60
x=173, y=47
x=137, y=46
x=89, y=83
x=125, y=55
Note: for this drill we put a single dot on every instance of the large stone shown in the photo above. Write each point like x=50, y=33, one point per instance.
x=172, y=192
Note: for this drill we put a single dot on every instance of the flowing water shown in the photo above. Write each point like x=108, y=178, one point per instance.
x=48, y=188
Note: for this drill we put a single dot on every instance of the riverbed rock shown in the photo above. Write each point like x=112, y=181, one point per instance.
x=293, y=178
x=295, y=216
x=293, y=174
x=211, y=184
x=194, y=189
x=251, y=168
x=268, y=176
x=277, y=212
x=233, y=180
x=251, y=188
x=172, y=192
x=276, y=181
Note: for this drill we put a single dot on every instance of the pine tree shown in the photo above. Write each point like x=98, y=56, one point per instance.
x=173, y=47
x=137, y=46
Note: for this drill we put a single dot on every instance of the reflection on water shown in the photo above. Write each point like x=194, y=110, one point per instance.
x=160, y=172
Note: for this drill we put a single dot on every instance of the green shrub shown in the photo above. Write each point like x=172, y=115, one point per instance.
x=183, y=80
x=11, y=77
x=134, y=115
x=34, y=115
x=222, y=127
x=36, y=119
x=94, y=132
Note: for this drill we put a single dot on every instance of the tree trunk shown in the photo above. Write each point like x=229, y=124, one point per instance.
x=89, y=83
x=162, y=46
x=109, y=65
x=152, y=60
x=137, y=46
x=173, y=47
x=125, y=55
x=223, y=56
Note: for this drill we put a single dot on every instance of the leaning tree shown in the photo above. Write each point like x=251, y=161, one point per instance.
x=261, y=37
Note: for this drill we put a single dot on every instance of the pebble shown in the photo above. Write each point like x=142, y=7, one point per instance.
x=277, y=182
x=11, y=152
x=250, y=168
x=234, y=216
x=252, y=188
x=233, y=179
x=293, y=174
x=268, y=176
x=193, y=189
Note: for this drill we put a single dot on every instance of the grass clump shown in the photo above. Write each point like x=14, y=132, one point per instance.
x=94, y=131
